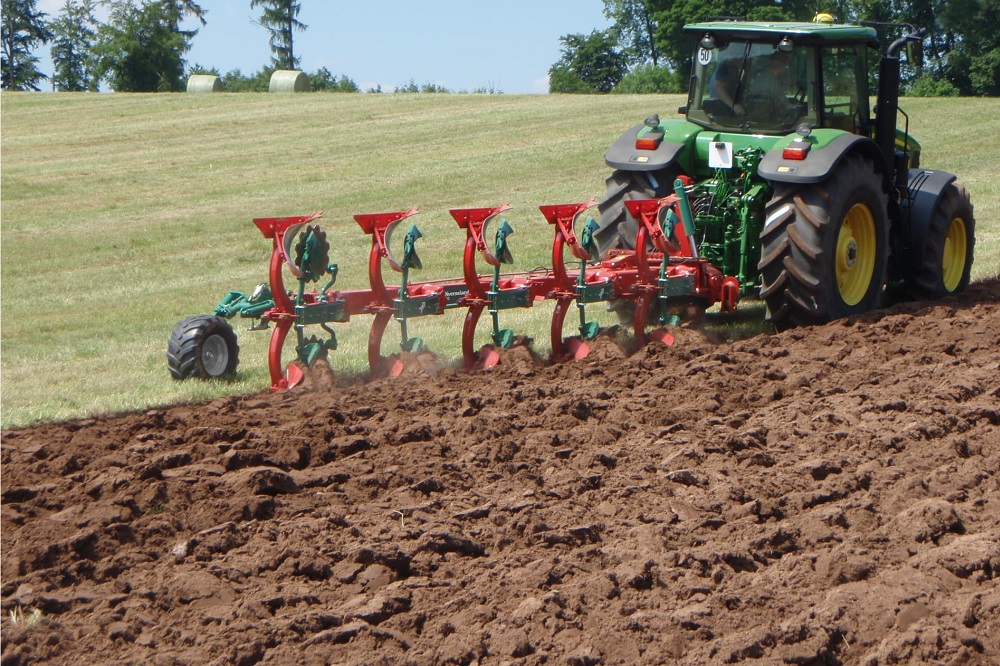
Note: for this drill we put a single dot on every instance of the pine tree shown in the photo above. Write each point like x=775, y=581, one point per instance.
x=279, y=17
x=23, y=30
x=142, y=47
x=74, y=33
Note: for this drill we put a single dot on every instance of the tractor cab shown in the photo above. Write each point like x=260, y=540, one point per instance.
x=771, y=78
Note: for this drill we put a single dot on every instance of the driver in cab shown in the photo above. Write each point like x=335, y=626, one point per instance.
x=765, y=95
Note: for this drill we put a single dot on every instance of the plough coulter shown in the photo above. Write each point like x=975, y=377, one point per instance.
x=664, y=271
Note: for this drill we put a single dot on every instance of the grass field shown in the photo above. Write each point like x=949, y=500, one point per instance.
x=121, y=214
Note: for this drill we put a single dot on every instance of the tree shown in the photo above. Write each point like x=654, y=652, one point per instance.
x=142, y=49
x=280, y=19
x=236, y=81
x=634, y=29
x=671, y=16
x=74, y=33
x=962, y=47
x=23, y=30
x=182, y=8
x=325, y=80
x=176, y=11
x=970, y=45
x=589, y=64
x=648, y=79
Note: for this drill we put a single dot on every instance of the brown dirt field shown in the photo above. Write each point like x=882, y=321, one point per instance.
x=820, y=496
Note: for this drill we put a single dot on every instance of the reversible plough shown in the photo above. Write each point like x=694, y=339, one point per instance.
x=663, y=271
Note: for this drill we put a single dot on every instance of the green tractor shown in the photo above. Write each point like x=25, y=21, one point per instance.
x=796, y=189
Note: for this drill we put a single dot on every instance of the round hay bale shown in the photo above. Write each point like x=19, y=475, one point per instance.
x=287, y=80
x=202, y=83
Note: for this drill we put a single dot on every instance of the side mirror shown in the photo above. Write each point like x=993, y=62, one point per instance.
x=915, y=53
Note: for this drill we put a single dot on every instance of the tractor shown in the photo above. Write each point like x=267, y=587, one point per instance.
x=778, y=183
x=797, y=190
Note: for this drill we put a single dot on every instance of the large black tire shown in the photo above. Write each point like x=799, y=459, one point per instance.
x=617, y=229
x=946, y=247
x=825, y=246
x=202, y=346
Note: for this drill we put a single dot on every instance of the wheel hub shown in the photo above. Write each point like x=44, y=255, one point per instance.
x=215, y=356
x=851, y=257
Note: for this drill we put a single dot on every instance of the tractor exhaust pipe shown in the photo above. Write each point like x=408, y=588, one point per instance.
x=888, y=103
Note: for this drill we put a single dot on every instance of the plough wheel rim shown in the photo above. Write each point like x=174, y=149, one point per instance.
x=215, y=355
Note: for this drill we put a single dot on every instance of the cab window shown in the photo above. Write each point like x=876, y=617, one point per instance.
x=751, y=87
x=842, y=108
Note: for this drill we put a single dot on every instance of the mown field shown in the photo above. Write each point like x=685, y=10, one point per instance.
x=121, y=214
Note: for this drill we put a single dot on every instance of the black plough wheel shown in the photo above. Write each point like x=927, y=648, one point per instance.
x=945, y=248
x=825, y=246
x=202, y=346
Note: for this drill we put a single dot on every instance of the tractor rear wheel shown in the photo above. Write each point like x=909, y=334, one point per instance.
x=825, y=246
x=202, y=346
x=946, y=247
x=617, y=229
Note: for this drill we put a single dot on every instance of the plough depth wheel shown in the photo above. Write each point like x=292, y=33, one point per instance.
x=202, y=346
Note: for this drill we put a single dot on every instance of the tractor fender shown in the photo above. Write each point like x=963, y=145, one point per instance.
x=625, y=156
x=924, y=188
x=820, y=162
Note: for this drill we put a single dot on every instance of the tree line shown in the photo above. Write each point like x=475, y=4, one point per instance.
x=141, y=46
x=646, y=51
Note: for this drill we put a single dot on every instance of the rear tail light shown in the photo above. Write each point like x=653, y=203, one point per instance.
x=796, y=150
x=650, y=141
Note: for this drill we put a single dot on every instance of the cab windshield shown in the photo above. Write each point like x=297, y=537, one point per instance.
x=751, y=87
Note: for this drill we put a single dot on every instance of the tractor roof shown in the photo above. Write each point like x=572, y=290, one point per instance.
x=807, y=33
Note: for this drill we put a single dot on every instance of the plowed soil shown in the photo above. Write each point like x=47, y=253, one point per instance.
x=819, y=496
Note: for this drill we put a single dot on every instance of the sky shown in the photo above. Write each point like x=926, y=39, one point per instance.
x=462, y=45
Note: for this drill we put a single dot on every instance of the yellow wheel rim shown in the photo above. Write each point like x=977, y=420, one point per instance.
x=955, y=252
x=856, y=250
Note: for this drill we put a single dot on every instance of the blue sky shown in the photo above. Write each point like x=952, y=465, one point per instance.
x=461, y=45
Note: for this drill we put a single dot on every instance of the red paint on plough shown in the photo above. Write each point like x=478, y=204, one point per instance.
x=664, y=270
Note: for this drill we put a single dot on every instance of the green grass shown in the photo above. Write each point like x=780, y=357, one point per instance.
x=121, y=214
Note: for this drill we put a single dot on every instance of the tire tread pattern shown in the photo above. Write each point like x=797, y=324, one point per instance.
x=617, y=229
